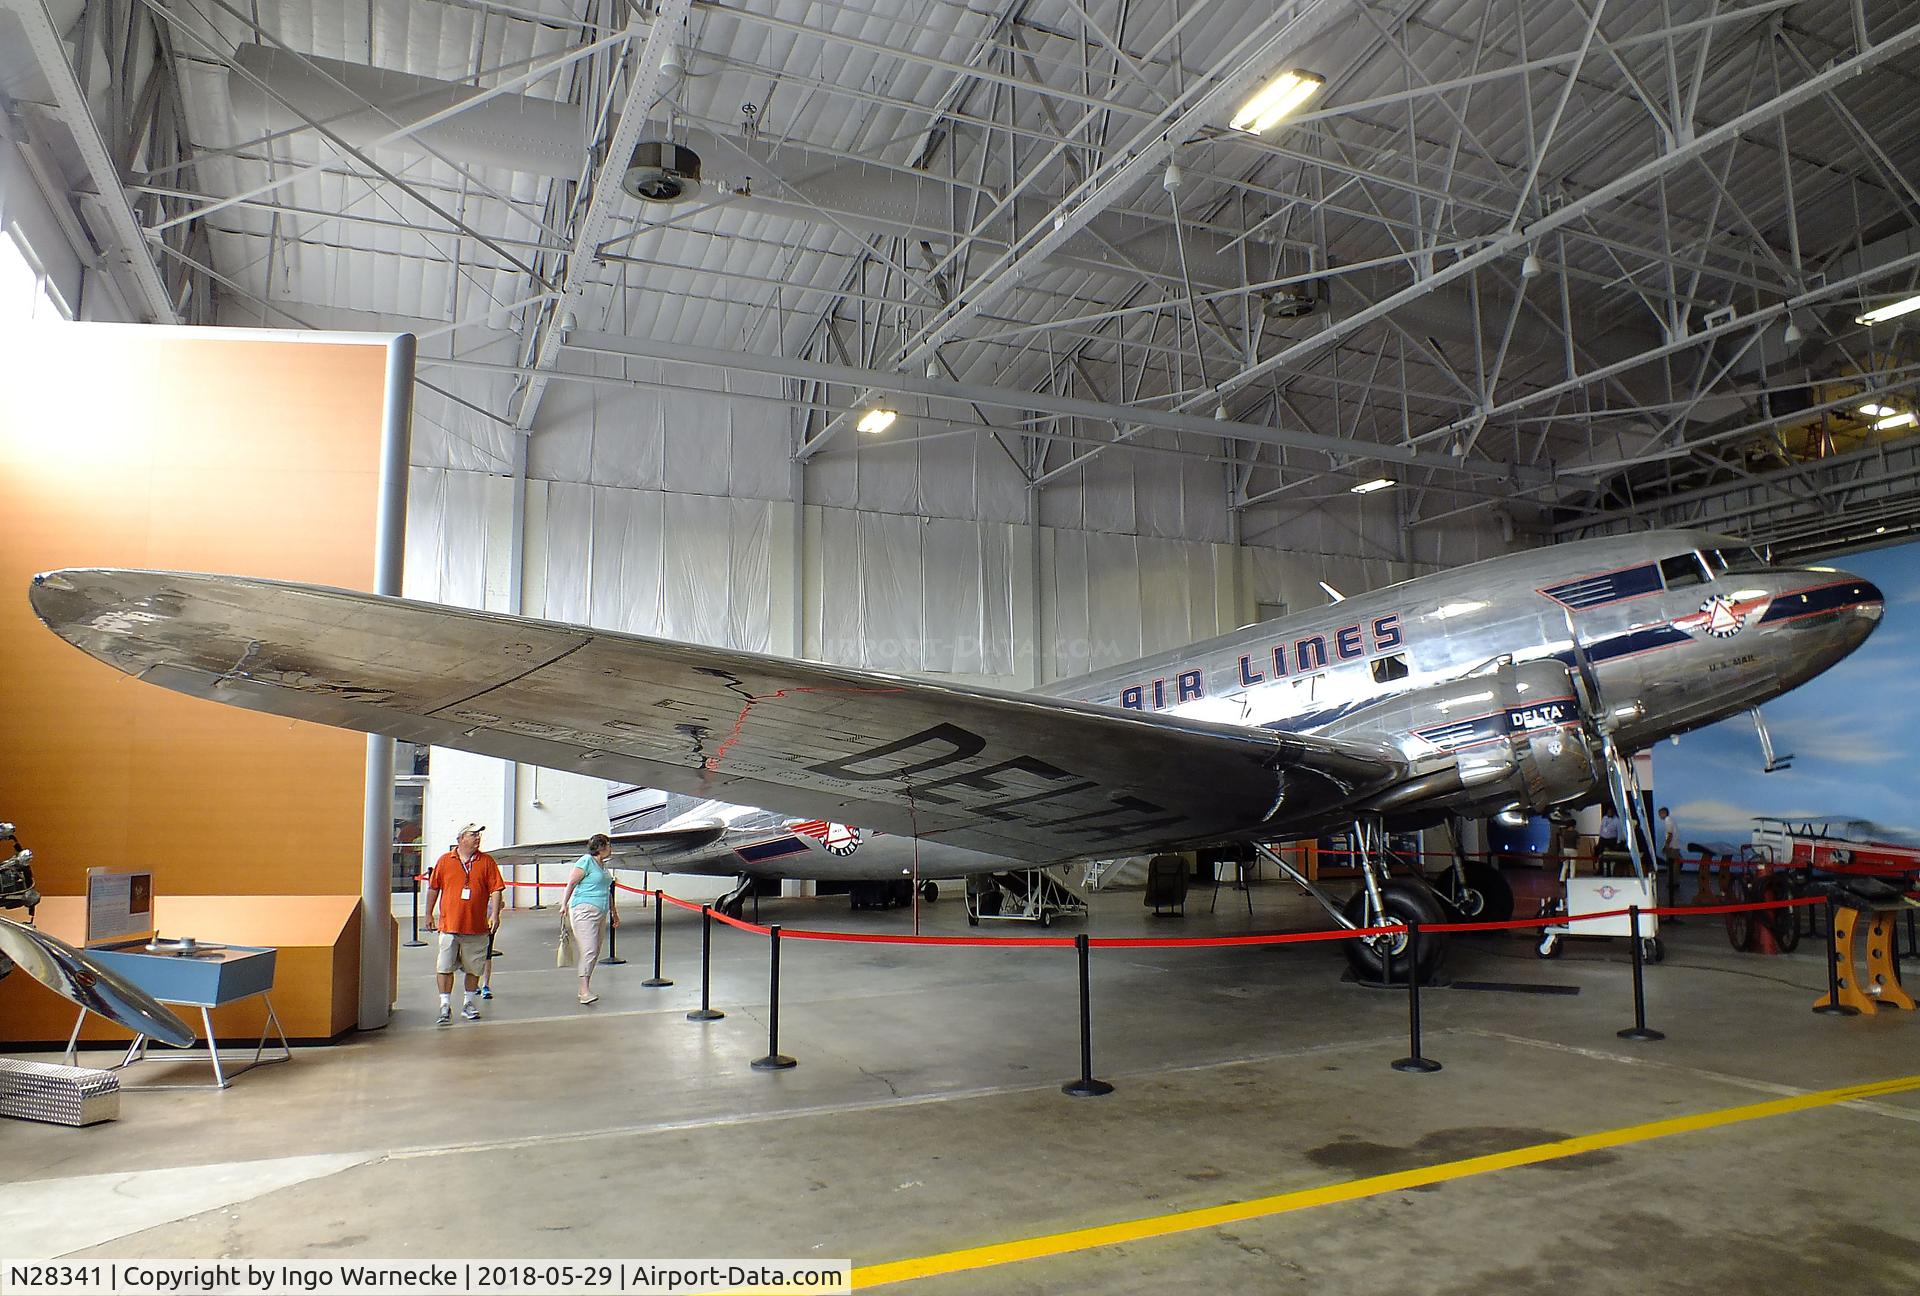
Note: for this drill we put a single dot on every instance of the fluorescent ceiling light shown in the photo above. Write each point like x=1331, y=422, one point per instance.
x=877, y=420
x=1876, y=411
x=1275, y=100
x=1894, y=421
x=1377, y=484
x=1890, y=311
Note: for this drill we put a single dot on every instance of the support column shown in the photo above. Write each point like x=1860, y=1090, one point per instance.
x=389, y=555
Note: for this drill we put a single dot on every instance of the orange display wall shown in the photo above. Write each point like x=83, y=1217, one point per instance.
x=316, y=970
x=203, y=450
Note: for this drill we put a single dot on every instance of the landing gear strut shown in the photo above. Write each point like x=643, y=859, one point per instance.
x=1474, y=888
x=1380, y=902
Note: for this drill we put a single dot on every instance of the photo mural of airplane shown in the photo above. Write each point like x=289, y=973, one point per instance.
x=1521, y=683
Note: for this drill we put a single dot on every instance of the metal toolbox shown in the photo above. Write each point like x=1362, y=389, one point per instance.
x=59, y=1095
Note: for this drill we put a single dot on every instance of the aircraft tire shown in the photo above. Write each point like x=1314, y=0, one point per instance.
x=1784, y=922
x=1408, y=902
x=1489, y=895
x=929, y=891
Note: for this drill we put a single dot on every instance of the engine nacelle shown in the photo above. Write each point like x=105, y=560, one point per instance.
x=1509, y=738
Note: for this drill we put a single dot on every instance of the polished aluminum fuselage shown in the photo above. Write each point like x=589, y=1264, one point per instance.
x=1665, y=661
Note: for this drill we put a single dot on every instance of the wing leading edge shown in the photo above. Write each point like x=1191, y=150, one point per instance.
x=1037, y=779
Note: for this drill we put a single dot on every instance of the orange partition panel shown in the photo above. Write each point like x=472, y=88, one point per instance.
x=190, y=449
x=315, y=972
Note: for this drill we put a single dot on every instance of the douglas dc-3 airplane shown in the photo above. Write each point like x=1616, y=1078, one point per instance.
x=1518, y=683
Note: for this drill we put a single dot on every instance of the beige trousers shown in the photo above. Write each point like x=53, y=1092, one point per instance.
x=589, y=925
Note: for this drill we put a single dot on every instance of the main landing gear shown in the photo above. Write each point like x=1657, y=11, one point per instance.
x=1381, y=902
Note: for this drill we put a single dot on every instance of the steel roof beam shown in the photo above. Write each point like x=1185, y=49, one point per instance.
x=1522, y=235
x=1341, y=448
x=663, y=31
x=71, y=99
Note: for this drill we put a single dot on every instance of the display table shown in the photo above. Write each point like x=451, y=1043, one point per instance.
x=317, y=970
x=204, y=977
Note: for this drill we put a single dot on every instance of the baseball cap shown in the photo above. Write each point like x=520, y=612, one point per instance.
x=471, y=828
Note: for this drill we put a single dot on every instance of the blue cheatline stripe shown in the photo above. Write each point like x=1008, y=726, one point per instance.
x=758, y=851
x=1828, y=598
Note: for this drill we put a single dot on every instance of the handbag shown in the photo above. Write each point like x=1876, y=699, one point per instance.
x=569, y=952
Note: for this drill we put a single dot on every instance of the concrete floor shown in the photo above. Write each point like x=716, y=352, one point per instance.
x=925, y=1116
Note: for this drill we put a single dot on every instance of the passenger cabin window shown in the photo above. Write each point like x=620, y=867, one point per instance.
x=1388, y=669
x=1683, y=570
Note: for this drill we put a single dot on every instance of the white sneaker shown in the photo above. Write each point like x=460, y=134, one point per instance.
x=446, y=1015
x=589, y=998
x=470, y=1011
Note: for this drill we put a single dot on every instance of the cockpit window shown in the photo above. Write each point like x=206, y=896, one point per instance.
x=1683, y=570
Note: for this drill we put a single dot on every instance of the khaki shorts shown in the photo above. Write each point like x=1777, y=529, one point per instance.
x=468, y=953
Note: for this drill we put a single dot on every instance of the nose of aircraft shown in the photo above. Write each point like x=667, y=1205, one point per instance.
x=1860, y=605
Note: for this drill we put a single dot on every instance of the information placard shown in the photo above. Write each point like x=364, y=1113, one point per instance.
x=119, y=906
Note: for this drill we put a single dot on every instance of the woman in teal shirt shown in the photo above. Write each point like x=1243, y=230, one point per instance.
x=590, y=907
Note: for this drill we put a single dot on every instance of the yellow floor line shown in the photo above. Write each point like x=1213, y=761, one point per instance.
x=1054, y=1244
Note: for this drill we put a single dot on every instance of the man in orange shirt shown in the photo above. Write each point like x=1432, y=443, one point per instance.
x=465, y=889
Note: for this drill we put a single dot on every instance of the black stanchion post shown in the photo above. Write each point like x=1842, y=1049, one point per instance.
x=613, y=958
x=1833, y=1007
x=416, y=942
x=1913, y=944
x=1639, y=1030
x=1086, y=1086
x=656, y=980
x=706, y=1011
x=536, y=886
x=775, y=1060
x=1413, y=1062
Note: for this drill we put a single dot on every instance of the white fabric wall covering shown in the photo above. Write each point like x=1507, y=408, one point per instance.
x=690, y=567
x=1111, y=598
x=1278, y=576
x=1170, y=497
x=684, y=434
x=939, y=476
x=911, y=594
x=624, y=563
x=447, y=434
x=568, y=552
x=453, y=518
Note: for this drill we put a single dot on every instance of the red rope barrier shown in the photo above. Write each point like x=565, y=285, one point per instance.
x=744, y=925
x=887, y=938
x=1200, y=942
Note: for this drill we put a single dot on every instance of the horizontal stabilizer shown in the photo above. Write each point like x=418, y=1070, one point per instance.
x=646, y=845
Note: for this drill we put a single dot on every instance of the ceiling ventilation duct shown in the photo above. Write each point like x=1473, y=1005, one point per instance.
x=660, y=172
x=275, y=90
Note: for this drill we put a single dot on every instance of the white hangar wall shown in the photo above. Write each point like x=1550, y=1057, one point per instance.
x=672, y=512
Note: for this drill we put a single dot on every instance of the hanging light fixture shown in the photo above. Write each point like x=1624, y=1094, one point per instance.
x=877, y=420
x=1272, y=103
x=1893, y=310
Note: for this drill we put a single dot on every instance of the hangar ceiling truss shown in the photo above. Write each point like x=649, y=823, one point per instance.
x=1595, y=265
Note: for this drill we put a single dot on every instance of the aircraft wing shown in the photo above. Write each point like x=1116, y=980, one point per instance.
x=1032, y=778
x=638, y=847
